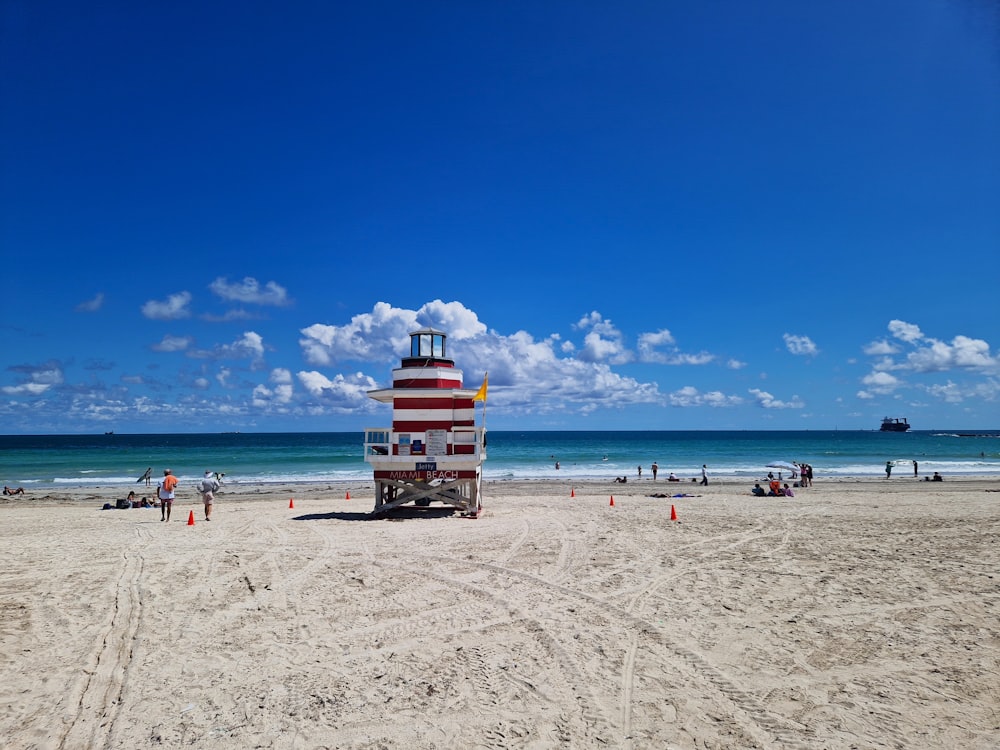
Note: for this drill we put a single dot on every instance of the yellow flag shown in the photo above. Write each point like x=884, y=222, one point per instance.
x=481, y=393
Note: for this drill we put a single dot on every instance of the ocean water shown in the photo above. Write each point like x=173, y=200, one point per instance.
x=51, y=461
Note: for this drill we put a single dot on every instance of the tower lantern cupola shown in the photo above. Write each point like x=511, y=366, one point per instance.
x=427, y=347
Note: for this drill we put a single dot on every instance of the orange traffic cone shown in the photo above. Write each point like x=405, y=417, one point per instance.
x=673, y=513
x=348, y=497
x=612, y=503
x=291, y=502
x=191, y=518
x=572, y=492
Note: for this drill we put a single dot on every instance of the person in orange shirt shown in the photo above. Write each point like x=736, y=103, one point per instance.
x=166, y=493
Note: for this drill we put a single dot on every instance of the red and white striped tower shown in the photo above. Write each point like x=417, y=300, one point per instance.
x=433, y=451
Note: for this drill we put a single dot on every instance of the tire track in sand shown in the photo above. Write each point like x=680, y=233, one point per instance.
x=96, y=696
x=591, y=718
x=765, y=728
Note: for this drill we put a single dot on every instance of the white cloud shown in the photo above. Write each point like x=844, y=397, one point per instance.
x=691, y=396
x=600, y=347
x=881, y=382
x=881, y=348
x=955, y=393
x=280, y=394
x=650, y=348
x=458, y=321
x=932, y=355
x=26, y=389
x=172, y=344
x=800, y=345
x=654, y=339
x=735, y=364
x=905, y=331
x=603, y=341
x=175, y=307
x=249, y=346
x=526, y=375
x=962, y=353
x=38, y=380
x=383, y=335
x=230, y=316
x=340, y=393
x=250, y=291
x=49, y=374
x=92, y=305
x=702, y=358
x=767, y=401
x=949, y=392
x=378, y=336
x=589, y=320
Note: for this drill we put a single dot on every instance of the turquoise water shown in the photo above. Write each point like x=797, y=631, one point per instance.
x=81, y=460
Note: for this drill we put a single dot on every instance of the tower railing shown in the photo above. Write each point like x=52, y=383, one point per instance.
x=379, y=442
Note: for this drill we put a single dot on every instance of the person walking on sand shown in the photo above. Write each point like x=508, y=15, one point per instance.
x=888, y=469
x=704, y=475
x=639, y=468
x=166, y=494
x=655, y=469
x=208, y=487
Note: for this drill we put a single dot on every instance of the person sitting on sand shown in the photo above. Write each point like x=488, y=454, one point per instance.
x=757, y=490
x=673, y=478
x=621, y=480
x=8, y=491
x=787, y=491
x=936, y=478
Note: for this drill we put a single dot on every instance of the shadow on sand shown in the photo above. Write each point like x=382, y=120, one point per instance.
x=399, y=514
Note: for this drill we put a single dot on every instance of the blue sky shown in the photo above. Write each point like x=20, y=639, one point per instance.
x=650, y=215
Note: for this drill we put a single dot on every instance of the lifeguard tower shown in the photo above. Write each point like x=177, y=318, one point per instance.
x=433, y=452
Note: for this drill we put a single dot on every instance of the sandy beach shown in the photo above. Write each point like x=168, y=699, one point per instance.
x=858, y=614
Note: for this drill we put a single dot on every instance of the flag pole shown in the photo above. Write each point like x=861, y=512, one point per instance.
x=481, y=393
x=485, y=377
